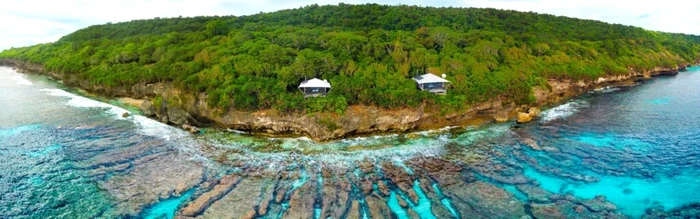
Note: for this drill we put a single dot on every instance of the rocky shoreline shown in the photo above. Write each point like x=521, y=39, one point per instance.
x=489, y=173
x=171, y=106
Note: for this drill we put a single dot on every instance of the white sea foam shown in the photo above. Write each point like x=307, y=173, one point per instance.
x=304, y=138
x=603, y=90
x=335, y=154
x=563, y=111
x=154, y=128
x=77, y=101
x=146, y=126
x=236, y=131
x=434, y=131
x=367, y=139
x=21, y=80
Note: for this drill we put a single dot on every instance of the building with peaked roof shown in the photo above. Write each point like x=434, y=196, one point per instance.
x=432, y=83
x=315, y=87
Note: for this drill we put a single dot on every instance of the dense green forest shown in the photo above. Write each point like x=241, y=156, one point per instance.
x=368, y=52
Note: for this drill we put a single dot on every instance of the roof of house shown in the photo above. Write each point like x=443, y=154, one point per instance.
x=429, y=78
x=315, y=83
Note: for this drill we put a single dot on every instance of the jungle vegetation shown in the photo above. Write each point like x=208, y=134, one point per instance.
x=369, y=53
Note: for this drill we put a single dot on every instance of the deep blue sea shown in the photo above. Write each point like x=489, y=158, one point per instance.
x=614, y=152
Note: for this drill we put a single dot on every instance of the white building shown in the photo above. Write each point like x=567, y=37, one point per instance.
x=315, y=87
x=433, y=84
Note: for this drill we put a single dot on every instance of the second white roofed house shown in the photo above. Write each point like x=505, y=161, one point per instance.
x=315, y=87
x=433, y=84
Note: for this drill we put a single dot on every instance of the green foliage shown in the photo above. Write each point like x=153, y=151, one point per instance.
x=174, y=101
x=158, y=102
x=330, y=125
x=330, y=103
x=216, y=28
x=368, y=52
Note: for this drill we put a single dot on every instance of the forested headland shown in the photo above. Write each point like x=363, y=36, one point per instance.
x=369, y=53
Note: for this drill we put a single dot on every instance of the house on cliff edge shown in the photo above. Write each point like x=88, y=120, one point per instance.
x=315, y=87
x=433, y=84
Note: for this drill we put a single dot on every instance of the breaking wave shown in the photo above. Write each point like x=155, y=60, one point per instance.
x=604, y=90
x=563, y=111
x=21, y=80
x=146, y=125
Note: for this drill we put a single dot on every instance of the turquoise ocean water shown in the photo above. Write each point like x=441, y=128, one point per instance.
x=66, y=154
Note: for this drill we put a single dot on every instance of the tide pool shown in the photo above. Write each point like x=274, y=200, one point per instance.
x=166, y=208
x=423, y=207
x=445, y=201
x=632, y=195
x=393, y=204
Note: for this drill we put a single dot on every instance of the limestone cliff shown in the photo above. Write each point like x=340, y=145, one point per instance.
x=179, y=108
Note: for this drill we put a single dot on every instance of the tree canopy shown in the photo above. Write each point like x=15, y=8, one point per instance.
x=368, y=52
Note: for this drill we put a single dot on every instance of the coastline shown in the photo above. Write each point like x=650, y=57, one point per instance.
x=189, y=111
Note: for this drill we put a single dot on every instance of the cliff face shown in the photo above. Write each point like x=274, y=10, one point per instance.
x=184, y=109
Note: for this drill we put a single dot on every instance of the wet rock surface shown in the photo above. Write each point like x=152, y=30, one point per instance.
x=460, y=181
x=501, y=116
x=524, y=117
x=533, y=112
x=158, y=178
x=536, y=194
x=191, y=129
x=417, y=186
x=688, y=211
x=473, y=173
x=147, y=108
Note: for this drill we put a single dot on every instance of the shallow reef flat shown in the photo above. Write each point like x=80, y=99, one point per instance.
x=615, y=154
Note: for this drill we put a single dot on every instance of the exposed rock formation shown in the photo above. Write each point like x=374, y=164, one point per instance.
x=532, y=144
x=534, y=112
x=501, y=116
x=524, y=117
x=191, y=129
x=147, y=108
x=180, y=108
